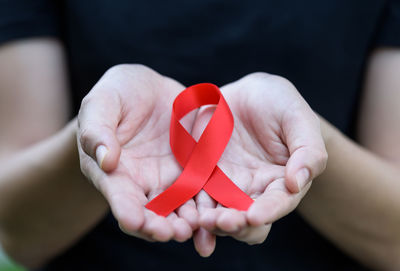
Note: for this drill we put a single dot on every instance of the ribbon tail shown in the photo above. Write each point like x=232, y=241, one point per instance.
x=224, y=191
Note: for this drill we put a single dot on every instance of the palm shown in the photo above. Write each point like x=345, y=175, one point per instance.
x=257, y=154
x=146, y=165
x=251, y=164
x=128, y=113
x=146, y=158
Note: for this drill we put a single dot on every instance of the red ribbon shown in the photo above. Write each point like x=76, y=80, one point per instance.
x=199, y=159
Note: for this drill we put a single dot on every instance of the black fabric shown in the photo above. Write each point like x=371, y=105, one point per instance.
x=321, y=46
x=27, y=18
x=389, y=34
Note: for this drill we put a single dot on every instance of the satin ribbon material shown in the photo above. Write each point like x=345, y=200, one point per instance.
x=199, y=159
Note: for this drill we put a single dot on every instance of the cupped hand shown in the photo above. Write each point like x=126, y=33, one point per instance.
x=124, y=149
x=276, y=149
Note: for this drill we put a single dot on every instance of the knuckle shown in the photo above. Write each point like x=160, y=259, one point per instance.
x=282, y=83
x=319, y=162
x=128, y=69
x=267, y=77
x=119, y=68
x=269, y=81
x=259, y=75
x=85, y=101
x=82, y=114
x=125, y=226
x=322, y=158
x=260, y=78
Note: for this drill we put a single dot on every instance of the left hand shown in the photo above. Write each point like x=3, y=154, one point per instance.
x=276, y=149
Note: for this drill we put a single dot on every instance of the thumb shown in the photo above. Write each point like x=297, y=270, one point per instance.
x=308, y=156
x=304, y=165
x=97, y=124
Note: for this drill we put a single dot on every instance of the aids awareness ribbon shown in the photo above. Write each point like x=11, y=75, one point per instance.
x=199, y=159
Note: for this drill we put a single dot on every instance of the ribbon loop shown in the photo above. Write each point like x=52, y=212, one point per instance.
x=199, y=159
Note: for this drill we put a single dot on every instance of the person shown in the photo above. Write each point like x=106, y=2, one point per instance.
x=322, y=48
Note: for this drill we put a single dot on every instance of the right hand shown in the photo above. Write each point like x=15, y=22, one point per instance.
x=123, y=141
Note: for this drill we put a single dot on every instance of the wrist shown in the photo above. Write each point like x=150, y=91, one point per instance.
x=48, y=198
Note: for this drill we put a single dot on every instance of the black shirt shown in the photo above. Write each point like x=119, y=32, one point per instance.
x=321, y=46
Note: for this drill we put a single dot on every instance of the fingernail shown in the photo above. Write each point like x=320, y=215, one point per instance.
x=302, y=178
x=101, y=153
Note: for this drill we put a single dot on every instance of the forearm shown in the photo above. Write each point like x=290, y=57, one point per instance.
x=45, y=200
x=34, y=96
x=356, y=202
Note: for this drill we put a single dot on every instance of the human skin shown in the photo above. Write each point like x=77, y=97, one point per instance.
x=269, y=146
x=130, y=108
x=385, y=169
x=356, y=202
x=45, y=201
x=357, y=162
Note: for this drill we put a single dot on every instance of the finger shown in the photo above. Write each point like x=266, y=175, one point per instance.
x=125, y=199
x=274, y=203
x=216, y=218
x=182, y=229
x=154, y=227
x=206, y=208
x=121, y=209
x=157, y=227
x=253, y=235
x=126, y=205
x=308, y=155
x=98, y=119
x=188, y=211
x=204, y=242
x=208, y=219
x=127, y=202
x=90, y=168
x=231, y=220
x=223, y=221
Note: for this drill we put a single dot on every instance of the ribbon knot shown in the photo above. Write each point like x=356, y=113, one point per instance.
x=199, y=159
